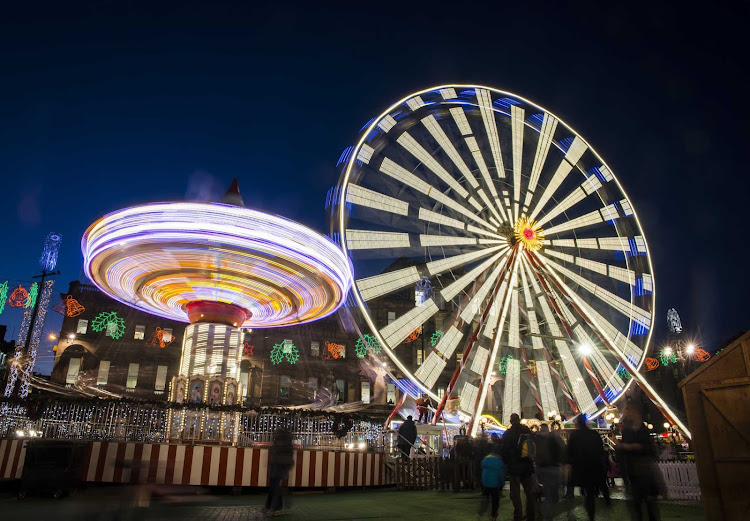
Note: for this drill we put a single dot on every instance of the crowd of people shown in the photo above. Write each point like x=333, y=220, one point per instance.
x=548, y=470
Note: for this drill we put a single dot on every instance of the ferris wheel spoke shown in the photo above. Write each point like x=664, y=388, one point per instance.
x=379, y=285
x=580, y=391
x=512, y=391
x=361, y=196
x=436, y=131
x=488, y=116
x=622, y=244
x=430, y=370
x=456, y=287
x=446, y=240
x=395, y=332
x=402, y=175
x=438, y=218
x=473, y=308
x=614, y=272
x=372, y=240
x=532, y=381
x=549, y=125
x=625, y=307
x=439, y=266
x=471, y=142
x=631, y=350
x=517, y=128
x=588, y=187
x=462, y=122
x=572, y=156
x=549, y=400
x=414, y=148
x=606, y=372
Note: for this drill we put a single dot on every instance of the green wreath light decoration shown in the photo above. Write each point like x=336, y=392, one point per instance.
x=285, y=349
x=3, y=295
x=33, y=294
x=435, y=337
x=367, y=343
x=623, y=373
x=504, y=363
x=108, y=320
x=666, y=359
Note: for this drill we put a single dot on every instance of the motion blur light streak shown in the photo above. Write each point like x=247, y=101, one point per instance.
x=161, y=257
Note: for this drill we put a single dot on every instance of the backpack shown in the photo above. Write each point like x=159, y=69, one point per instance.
x=526, y=447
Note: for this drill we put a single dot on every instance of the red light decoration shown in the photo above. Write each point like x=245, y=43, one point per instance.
x=18, y=298
x=651, y=364
x=333, y=351
x=247, y=350
x=701, y=355
x=413, y=335
x=161, y=338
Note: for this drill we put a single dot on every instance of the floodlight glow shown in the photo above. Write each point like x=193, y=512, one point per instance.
x=690, y=349
x=585, y=349
x=666, y=425
x=163, y=257
x=668, y=351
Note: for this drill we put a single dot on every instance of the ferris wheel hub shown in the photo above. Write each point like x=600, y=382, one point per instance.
x=528, y=233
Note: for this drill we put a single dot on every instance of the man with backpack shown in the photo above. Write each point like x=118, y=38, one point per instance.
x=518, y=454
x=549, y=453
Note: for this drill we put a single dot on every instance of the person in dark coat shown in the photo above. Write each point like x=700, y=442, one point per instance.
x=586, y=456
x=636, y=454
x=407, y=436
x=280, y=461
x=549, y=454
x=520, y=469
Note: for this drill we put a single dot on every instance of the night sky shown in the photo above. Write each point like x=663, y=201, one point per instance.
x=112, y=105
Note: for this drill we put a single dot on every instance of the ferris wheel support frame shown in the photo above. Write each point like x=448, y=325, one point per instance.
x=610, y=345
x=472, y=339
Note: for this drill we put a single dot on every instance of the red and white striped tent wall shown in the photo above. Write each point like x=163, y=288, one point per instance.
x=116, y=462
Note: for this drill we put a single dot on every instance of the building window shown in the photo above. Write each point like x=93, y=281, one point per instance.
x=365, y=393
x=341, y=387
x=420, y=356
x=390, y=394
x=284, y=385
x=103, y=375
x=74, y=365
x=83, y=326
x=161, y=378
x=245, y=381
x=314, y=348
x=111, y=329
x=459, y=356
x=132, y=376
x=441, y=392
x=167, y=336
x=391, y=317
x=140, y=333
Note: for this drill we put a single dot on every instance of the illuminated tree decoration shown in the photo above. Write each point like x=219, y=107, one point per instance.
x=247, y=351
x=333, y=351
x=3, y=295
x=73, y=307
x=504, y=363
x=435, y=337
x=367, y=344
x=161, y=338
x=285, y=349
x=33, y=294
x=18, y=298
x=413, y=335
x=667, y=356
x=624, y=374
x=109, y=321
x=651, y=363
x=701, y=355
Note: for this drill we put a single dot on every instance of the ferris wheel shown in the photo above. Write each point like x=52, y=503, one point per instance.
x=532, y=248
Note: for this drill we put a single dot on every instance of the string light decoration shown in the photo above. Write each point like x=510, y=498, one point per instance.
x=435, y=337
x=285, y=349
x=667, y=356
x=60, y=307
x=161, y=338
x=48, y=259
x=247, y=350
x=624, y=374
x=18, y=298
x=413, y=335
x=109, y=321
x=33, y=294
x=156, y=257
x=503, y=365
x=3, y=295
x=333, y=351
x=651, y=363
x=367, y=344
x=73, y=308
x=701, y=355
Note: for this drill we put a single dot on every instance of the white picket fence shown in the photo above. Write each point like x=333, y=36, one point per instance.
x=681, y=479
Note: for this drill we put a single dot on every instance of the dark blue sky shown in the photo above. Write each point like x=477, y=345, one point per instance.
x=108, y=105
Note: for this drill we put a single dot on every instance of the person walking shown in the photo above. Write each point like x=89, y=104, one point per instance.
x=549, y=453
x=638, y=465
x=493, y=479
x=423, y=406
x=586, y=456
x=407, y=436
x=518, y=456
x=280, y=461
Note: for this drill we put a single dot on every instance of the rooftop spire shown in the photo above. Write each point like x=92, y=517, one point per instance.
x=233, y=195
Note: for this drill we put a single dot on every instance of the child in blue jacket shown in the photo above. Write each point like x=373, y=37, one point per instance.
x=493, y=479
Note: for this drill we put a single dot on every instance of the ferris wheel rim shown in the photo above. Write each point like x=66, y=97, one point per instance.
x=342, y=216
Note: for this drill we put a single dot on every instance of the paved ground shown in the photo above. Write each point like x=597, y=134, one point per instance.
x=387, y=504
